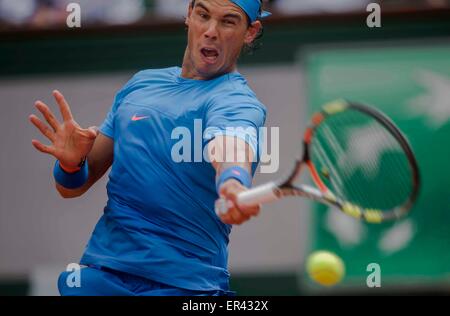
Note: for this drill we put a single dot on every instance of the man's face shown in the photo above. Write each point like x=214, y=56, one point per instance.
x=217, y=31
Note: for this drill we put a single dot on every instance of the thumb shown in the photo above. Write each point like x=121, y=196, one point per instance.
x=229, y=191
x=93, y=131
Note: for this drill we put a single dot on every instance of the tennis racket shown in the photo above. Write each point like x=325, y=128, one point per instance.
x=359, y=163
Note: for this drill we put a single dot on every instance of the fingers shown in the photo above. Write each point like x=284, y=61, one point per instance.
x=51, y=119
x=63, y=105
x=236, y=214
x=231, y=190
x=45, y=130
x=43, y=148
x=251, y=210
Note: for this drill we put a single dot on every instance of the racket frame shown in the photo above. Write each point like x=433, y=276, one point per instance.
x=273, y=191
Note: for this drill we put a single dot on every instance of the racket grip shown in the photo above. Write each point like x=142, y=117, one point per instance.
x=259, y=195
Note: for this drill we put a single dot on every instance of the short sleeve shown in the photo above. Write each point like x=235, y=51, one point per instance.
x=239, y=116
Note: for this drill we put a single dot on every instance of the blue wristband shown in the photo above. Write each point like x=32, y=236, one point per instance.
x=238, y=173
x=71, y=180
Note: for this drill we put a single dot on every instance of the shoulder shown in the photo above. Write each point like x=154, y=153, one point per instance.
x=234, y=90
x=147, y=77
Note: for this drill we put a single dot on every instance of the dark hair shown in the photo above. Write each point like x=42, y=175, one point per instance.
x=248, y=49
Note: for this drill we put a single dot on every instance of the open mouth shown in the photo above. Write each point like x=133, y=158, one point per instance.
x=210, y=54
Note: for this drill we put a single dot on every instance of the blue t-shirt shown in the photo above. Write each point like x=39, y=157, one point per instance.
x=159, y=221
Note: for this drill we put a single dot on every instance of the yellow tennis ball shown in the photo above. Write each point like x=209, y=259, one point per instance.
x=325, y=268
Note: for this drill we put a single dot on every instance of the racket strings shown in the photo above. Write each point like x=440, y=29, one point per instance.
x=377, y=135
x=395, y=166
x=400, y=168
x=329, y=139
x=365, y=163
x=324, y=160
x=386, y=166
x=378, y=143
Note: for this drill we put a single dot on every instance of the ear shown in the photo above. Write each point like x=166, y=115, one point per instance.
x=186, y=21
x=252, y=32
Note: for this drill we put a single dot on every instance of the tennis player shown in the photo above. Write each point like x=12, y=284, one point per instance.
x=159, y=234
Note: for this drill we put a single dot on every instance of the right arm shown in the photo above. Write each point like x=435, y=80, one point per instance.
x=71, y=144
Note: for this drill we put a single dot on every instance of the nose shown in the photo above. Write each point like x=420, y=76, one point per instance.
x=211, y=31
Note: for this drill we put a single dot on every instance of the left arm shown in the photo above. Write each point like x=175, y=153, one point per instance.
x=237, y=153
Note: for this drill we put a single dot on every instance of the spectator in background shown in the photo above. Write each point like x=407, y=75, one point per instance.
x=111, y=11
x=171, y=8
x=49, y=13
x=338, y=6
x=45, y=13
x=319, y=6
x=17, y=12
x=416, y=4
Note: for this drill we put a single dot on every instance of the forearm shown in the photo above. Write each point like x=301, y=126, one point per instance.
x=225, y=157
x=233, y=176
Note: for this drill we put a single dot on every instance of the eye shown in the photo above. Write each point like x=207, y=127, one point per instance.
x=203, y=15
x=229, y=22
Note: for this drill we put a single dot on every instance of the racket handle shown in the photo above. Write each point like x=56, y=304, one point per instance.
x=258, y=195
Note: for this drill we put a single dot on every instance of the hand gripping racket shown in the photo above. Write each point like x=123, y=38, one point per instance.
x=359, y=162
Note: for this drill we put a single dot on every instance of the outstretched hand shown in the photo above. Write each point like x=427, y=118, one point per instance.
x=70, y=143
